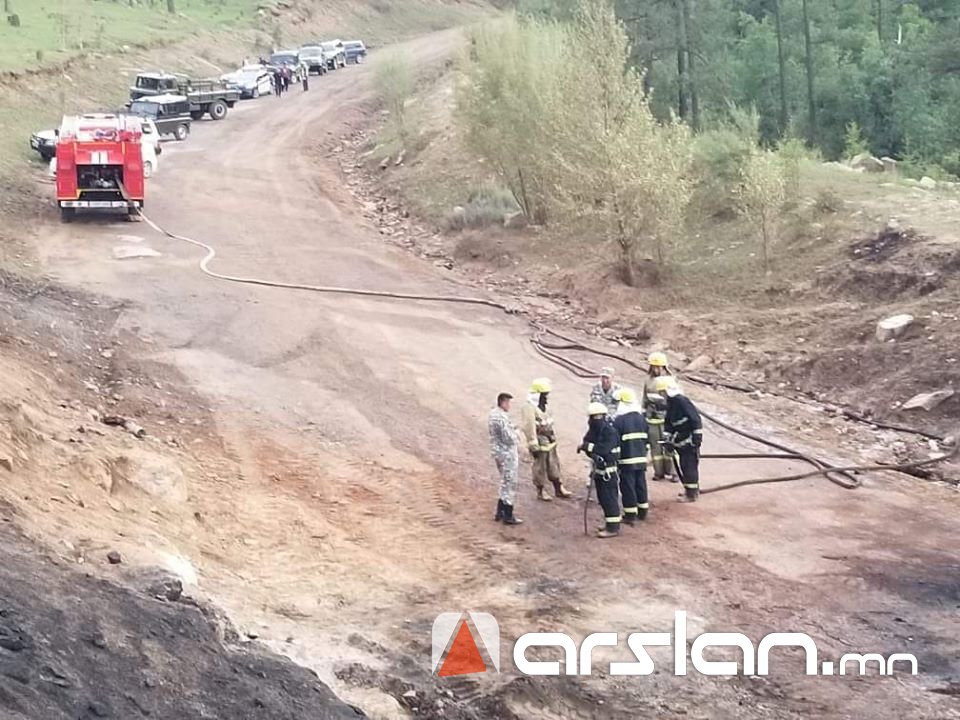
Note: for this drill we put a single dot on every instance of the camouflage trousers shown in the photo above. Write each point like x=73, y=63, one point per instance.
x=507, y=465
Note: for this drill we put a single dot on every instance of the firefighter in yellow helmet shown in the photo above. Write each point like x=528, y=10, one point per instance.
x=655, y=408
x=602, y=445
x=537, y=425
x=632, y=429
x=683, y=431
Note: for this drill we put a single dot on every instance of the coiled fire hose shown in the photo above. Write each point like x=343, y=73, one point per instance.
x=842, y=476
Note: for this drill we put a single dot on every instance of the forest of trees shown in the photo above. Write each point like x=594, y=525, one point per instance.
x=826, y=71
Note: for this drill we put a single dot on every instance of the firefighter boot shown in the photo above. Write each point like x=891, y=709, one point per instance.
x=508, y=518
x=690, y=495
x=642, y=514
x=629, y=518
x=542, y=495
x=609, y=530
x=499, y=515
x=560, y=491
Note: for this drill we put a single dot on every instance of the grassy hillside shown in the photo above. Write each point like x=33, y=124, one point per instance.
x=51, y=31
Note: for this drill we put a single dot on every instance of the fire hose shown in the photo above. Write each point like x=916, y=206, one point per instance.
x=842, y=476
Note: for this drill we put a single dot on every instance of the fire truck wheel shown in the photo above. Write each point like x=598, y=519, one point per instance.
x=67, y=214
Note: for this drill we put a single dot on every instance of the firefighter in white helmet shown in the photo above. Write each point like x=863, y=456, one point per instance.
x=683, y=431
x=537, y=425
x=655, y=408
x=602, y=445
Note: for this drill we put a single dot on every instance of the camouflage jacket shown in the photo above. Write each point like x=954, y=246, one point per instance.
x=503, y=433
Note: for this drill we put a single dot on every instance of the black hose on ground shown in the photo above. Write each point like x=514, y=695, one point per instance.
x=840, y=476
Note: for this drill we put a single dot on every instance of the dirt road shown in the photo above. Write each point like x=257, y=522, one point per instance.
x=348, y=493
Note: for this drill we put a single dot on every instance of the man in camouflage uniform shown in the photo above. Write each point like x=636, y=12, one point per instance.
x=605, y=391
x=503, y=448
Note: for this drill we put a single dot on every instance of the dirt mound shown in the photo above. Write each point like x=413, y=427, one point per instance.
x=152, y=658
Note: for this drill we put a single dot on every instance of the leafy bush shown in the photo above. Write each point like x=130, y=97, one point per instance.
x=853, y=142
x=394, y=82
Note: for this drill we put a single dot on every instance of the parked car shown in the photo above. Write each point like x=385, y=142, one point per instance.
x=170, y=113
x=355, y=51
x=251, y=80
x=288, y=59
x=314, y=58
x=45, y=143
x=335, y=55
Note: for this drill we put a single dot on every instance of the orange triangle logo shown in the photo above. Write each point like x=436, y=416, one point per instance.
x=464, y=656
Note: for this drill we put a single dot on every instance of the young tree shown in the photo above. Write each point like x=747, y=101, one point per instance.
x=614, y=167
x=504, y=103
x=760, y=195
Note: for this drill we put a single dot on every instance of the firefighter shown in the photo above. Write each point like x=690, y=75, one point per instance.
x=504, y=441
x=655, y=407
x=542, y=440
x=604, y=391
x=277, y=83
x=602, y=445
x=683, y=431
x=306, y=80
x=631, y=426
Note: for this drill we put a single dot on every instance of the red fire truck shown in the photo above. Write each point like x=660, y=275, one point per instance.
x=99, y=164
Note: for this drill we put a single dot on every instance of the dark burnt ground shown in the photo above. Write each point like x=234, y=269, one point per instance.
x=77, y=647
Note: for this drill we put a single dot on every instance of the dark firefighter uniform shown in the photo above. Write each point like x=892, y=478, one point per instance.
x=685, y=430
x=602, y=445
x=632, y=428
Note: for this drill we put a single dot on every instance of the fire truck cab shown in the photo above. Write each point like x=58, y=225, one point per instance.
x=99, y=164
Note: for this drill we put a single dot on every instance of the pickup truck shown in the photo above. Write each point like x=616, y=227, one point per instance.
x=170, y=113
x=355, y=51
x=211, y=97
x=333, y=51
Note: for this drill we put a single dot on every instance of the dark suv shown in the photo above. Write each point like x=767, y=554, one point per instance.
x=171, y=113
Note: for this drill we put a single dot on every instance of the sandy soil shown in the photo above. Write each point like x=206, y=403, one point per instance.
x=338, y=493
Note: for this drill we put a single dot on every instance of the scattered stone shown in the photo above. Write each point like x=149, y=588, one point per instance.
x=106, y=354
x=400, y=157
x=865, y=162
x=893, y=326
x=127, y=252
x=53, y=355
x=385, y=163
x=6, y=463
x=928, y=183
x=410, y=694
x=889, y=164
x=114, y=557
x=701, y=362
x=927, y=401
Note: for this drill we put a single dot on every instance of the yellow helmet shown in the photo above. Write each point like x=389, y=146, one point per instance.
x=625, y=395
x=665, y=382
x=596, y=408
x=540, y=385
x=657, y=359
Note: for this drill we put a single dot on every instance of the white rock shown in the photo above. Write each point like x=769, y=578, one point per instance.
x=126, y=252
x=893, y=326
x=701, y=362
x=928, y=183
x=927, y=401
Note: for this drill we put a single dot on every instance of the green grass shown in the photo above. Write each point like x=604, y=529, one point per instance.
x=52, y=31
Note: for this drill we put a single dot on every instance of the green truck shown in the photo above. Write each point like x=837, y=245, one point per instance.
x=206, y=97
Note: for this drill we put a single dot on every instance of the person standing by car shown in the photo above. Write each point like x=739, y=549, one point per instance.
x=285, y=75
x=306, y=81
x=277, y=83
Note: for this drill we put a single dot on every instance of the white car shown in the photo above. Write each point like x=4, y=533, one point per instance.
x=251, y=80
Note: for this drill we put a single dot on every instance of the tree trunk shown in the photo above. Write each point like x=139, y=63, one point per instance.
x=683, y=65
x=689, y=34
x=171, y=6
x=784, y=117
x=880, y=21
x=629, y=268
x=6, y=6
x=811, y=98
x=764, y=240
